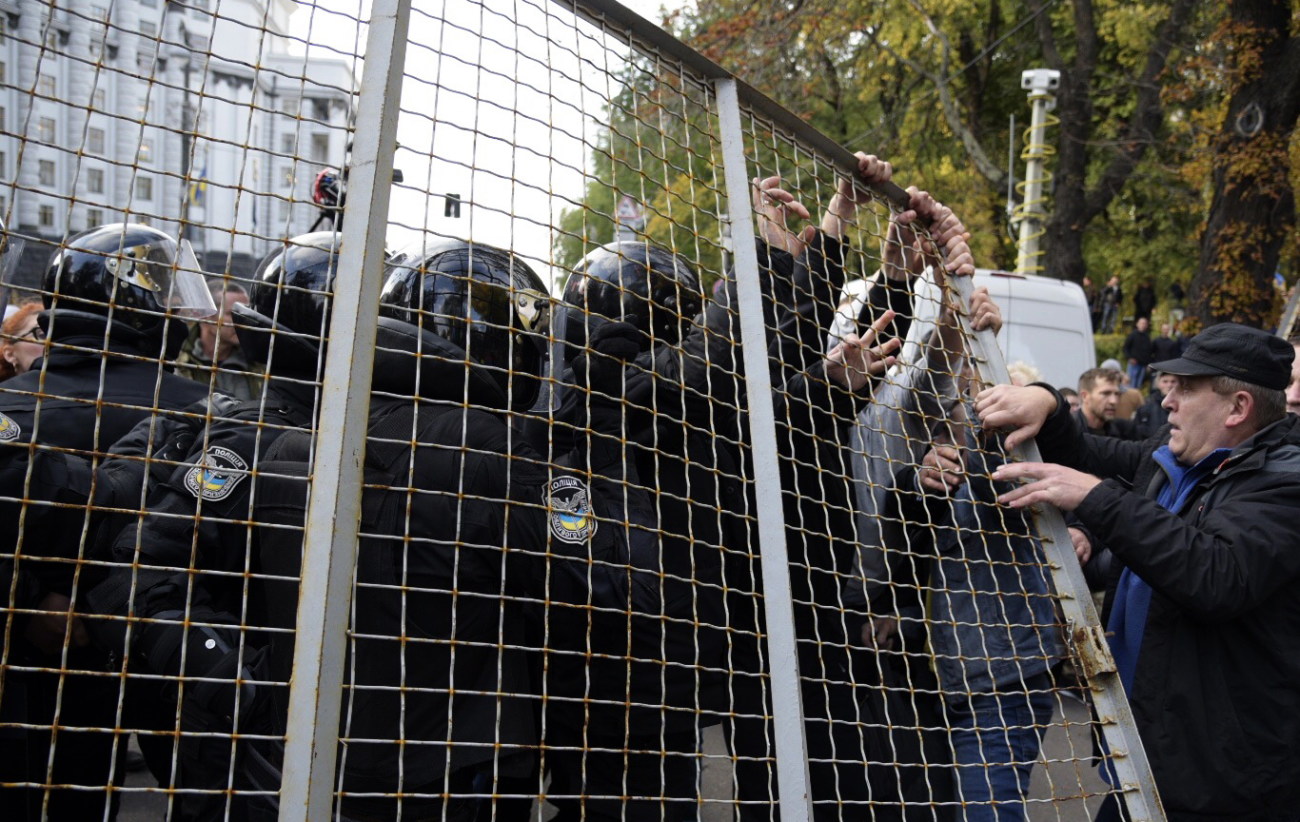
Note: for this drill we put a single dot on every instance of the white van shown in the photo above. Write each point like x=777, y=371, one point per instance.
x=1045, y=322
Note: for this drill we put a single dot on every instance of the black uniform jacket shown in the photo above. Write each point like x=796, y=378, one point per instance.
x=1216, y=693
x=474, y=548
x=74, y=406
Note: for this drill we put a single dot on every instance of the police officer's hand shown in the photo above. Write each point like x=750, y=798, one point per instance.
x=610, y=347
x=47, y=631
x=212, y=699
x=941, y=469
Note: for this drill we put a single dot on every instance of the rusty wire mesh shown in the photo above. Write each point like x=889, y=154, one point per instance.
x=558, y=602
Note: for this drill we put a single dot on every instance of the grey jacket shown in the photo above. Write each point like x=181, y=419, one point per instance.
x=993, y=620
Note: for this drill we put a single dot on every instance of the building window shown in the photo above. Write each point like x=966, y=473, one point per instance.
x=289, y=105
x=95, y=140
x=4, y=168
x=149, y=4
x=284, y=211
x=288, y=142
x=144, y=188
x=148, y=28
x=94, y=217
x=46, y=86
x=101, y=12
x=2, y=118
x=45, y=128
x=320, y=148
x=95, y=180
x=97, y=99
x=145, y=155
x=46, y=218
x=287, y=177
x=3, y=71
x=47, y=172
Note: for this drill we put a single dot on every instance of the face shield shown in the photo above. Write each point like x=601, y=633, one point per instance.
x=170, y=273
x=10, y=253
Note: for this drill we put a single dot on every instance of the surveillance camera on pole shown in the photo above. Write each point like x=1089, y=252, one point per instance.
x=1031, y=215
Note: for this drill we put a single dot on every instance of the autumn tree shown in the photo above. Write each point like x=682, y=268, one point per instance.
x=1252, y=211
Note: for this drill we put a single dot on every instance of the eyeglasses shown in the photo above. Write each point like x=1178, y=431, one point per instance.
x=34, y=334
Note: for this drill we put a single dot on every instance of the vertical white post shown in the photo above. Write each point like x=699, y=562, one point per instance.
x=787, y=703
x=334, y=508
x=1031, y=215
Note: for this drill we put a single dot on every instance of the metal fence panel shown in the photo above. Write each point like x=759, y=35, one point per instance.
x=539, y=474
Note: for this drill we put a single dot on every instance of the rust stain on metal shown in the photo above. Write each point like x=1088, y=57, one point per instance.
x=1093, y=650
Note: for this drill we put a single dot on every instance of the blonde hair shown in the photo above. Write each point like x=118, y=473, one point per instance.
x=1027, y=373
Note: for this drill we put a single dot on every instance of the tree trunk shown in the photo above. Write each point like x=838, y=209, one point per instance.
x=1253, y=207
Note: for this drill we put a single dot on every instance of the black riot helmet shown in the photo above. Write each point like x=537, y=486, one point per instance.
x=482, y=303
x=130, y=273
x=632, y=281
x=288, y=312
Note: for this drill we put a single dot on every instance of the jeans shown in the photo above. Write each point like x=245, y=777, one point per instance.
x=1137, y=375
x=995, y=739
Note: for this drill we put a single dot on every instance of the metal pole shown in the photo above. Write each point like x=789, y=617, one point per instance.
x=334, y=508
x=787, y=703
x=1087, y=638
x=1031, y=215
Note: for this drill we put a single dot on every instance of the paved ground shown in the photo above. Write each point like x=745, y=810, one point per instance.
x=1059, y=788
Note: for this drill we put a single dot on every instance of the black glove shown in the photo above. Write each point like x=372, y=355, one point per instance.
x=213, y=702
x=610, y=347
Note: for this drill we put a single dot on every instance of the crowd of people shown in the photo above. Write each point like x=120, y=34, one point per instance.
x=558, y=569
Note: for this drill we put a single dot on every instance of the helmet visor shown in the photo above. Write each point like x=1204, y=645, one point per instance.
x=187, y=294
x=9, y=257
x=170, y=273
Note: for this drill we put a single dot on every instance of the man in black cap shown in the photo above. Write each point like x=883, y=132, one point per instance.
x=1203, y=617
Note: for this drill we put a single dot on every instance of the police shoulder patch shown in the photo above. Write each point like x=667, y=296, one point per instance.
x=9, y=430
x=568, y=505
x=217, y=474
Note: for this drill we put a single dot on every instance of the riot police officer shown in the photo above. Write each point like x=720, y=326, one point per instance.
x=180, y=571
x=628, y=719
x=465, y=532
x=115, y=298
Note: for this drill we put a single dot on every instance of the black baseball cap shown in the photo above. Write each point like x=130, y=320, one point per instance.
x=1236, y=351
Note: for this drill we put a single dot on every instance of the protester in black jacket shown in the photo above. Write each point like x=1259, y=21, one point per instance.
x=115, y=298
x=1152, y=416
x=816, y=398
x=1204, y=618
x=1137, y=350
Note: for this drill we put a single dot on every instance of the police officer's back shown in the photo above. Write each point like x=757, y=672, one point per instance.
x=116, y=298
x=464, y=533
x=203, y=483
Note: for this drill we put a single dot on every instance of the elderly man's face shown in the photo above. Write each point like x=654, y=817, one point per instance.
x=1293, y=389
x=1196, y=418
